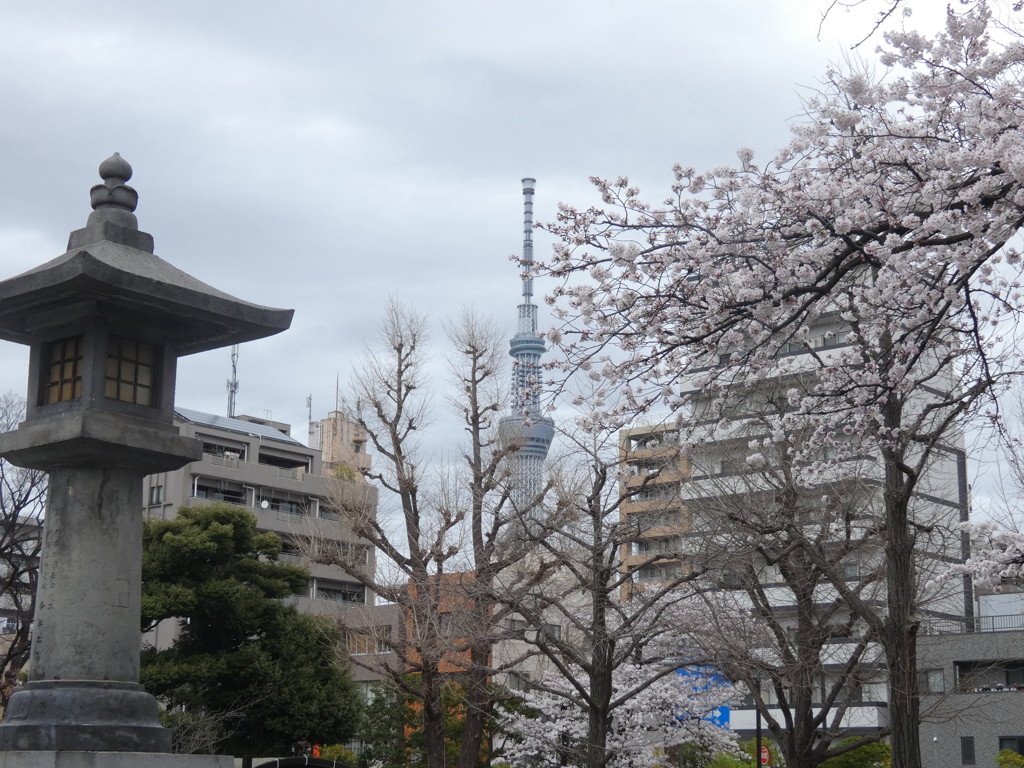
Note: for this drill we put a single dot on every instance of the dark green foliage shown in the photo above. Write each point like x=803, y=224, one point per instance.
x=697, y=758
x=270, y=675
x=877, y=755
x=393, y=727
x=387, y=716
x=205, y=565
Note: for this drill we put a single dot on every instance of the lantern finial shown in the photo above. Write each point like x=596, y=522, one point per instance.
x=114, y=194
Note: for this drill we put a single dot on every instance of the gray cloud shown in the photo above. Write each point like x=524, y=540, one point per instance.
x=324, y=156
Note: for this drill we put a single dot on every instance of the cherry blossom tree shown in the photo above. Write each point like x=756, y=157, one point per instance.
x=997, y=555
x=879, y=242
x=551, y=727
x=890, y=12
x=769, y=549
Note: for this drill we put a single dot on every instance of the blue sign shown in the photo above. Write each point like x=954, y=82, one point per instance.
x=701, y=679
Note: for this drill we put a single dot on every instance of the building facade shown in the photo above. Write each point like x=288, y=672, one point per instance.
x=972, y=684
x=694, y=485
x=256, y=464
x=342, y=445
x=654, y=467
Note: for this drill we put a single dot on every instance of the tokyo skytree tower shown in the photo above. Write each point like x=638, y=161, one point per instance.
x=527, y=428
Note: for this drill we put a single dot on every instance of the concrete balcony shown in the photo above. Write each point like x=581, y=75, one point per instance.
x=867, y=716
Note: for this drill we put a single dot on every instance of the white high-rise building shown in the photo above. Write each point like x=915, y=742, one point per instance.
x=697, y=480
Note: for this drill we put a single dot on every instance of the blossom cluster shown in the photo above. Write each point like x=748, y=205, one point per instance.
x=878, y=243
x=668, y=710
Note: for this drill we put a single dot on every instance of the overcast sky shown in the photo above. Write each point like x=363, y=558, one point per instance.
x=324, y=156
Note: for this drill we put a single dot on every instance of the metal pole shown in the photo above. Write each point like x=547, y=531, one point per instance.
x=757, y=727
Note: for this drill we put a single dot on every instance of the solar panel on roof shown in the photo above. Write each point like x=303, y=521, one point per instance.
x=234, y=425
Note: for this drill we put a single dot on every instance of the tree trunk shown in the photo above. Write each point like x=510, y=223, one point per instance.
x=597, y=722
x=433, y=719
x=478, y=707
x=602, y=668
x=899, y=639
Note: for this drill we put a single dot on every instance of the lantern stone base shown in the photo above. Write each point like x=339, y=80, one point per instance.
x=83, y=715
x=69, y=759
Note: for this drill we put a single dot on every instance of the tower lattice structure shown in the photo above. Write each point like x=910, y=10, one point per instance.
x=527, y=428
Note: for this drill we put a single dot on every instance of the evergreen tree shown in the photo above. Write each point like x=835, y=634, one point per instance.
x=266, y=675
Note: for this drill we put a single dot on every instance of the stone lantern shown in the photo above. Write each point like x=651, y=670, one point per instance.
x=105, y=324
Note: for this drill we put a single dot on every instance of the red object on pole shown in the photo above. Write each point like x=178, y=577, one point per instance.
x=766, y=756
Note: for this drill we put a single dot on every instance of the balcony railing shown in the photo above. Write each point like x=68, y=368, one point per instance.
x=289, y=516
x=957, y=626
x=232, y=462
x=222, y=461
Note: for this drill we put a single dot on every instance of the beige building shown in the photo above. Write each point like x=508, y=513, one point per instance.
x=342, y=443
x=651, y=508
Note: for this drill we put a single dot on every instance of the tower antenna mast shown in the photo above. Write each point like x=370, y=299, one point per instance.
x=527, y=430
x=233, y=381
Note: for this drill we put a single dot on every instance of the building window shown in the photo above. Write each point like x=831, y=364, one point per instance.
x=1012, y=743
x=516, y=627
x=1014, y=675
x=131, y=371
x=667, y=572
x=64, y=375
x=967, y=750
x=656, y=492
x=835, y=339
x=656, y=519
x=224, y=451
x=341, y=592
x=519, y=682
x=851, y=693
x=671, y=545
x=931, y=681
x=374, y=640
x=156, y=495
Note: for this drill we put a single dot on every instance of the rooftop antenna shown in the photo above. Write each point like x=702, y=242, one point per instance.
x=233, y=381
x=309, y=408
x=337, y=391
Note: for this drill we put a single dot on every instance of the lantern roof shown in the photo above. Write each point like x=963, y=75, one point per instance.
x=110, y=269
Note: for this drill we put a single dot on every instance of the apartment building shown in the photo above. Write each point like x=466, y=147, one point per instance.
x=652, y=508
x=257, y=464
x=972, y=683
x=691, y=481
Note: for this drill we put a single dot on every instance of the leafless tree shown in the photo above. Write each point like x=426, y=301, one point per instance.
x=22, y=497
x=443, y=536
x=794, y=577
